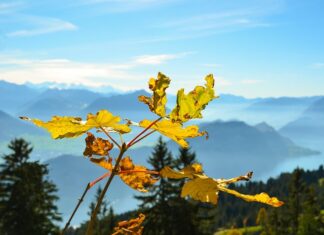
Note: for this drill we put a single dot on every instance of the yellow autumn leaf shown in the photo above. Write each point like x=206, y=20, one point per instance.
x=205, y=189
x=262, y=197
x=190, y=106
x=188, y=172
x=174, y=131
x=67, y=127
x=104, y=118
x=135, y=176
x=103, y=162
x=62, y=127
x=157, y=102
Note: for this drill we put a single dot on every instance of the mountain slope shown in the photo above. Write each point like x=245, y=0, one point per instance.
x=125, y=105
x=277, y=111
x=59, y=102
x=13, y=96
x=310, y=125
x=235, y=147
x=12, y=127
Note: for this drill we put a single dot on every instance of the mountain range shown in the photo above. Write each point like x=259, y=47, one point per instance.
x=309, y=126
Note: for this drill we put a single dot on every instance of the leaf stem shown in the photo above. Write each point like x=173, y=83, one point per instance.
x=76, y=208
x=111, y=138
x=99, y=179
x=142, y=132
x=146, y=135
x=123, y=149
x=139, y=171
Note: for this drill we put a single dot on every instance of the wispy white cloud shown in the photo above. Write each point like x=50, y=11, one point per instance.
x=122, y=76
x=120, y=6
x=43, y=26
x=225, y=20
x=158, y=59
x=9, y=7
x=251, y=81
x=220, y=20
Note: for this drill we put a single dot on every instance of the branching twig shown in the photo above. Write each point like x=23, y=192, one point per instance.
x=142, y=132
x=111, y=138
x=138, y=140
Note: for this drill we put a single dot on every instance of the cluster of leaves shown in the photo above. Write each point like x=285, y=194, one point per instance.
x=189, y=106
x=130, y=227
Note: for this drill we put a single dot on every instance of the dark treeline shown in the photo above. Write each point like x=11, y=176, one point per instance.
x=27, y=202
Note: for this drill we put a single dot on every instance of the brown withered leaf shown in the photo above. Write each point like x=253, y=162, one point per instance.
x=205, y=189
x=135, y=176
x=103, y=162
x=96, y=146
x=130, y=227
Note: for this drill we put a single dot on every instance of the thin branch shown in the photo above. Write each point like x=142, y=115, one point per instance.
x=99, y=179
x=139, y=171
x=123, y=149
x=246, y=177
x=142, y=132
x=76, y=208
x=111, y=138
x=138, y=140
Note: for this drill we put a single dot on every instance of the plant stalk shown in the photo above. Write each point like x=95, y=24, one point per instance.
x=123, y=149
x=76, y=208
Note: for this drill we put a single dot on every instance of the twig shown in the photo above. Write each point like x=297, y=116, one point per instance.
x=99, y=179
x=138, y=140
x=76, y=208
x=142, y=132
x=111, y=138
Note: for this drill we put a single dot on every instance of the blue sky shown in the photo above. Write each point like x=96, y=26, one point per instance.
x=255, y=48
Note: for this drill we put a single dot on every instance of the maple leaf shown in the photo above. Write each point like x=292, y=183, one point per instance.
x=157, y=102
x=205, y=189
x=174, y=131
x=96, y=146
x=190, y=106
x=130, y=227
x=188, y=172
x=103, y=162
x=67, y=127
x=137, y=178
x=104, y=118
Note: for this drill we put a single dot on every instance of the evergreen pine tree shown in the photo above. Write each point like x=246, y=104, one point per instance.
x=27, y=199
x=296, y=191
x=309, y=221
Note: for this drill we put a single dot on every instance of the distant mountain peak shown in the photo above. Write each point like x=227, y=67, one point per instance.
x=264, y=127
